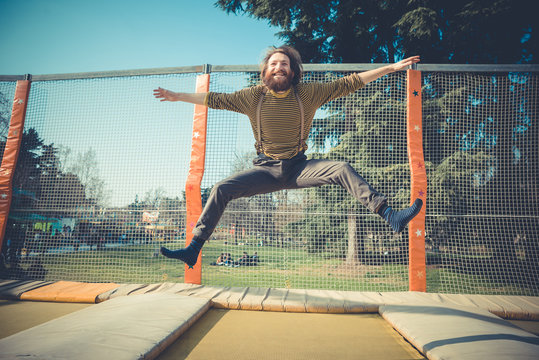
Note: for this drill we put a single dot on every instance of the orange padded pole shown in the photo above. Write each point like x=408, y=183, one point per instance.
x=416, y=227
x=11, y=151
x=193, y=200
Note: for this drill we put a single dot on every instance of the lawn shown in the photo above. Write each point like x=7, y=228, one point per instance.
x=278, y=267
x=290, y=267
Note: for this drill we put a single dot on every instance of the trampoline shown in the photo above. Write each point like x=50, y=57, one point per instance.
x=233, y=334
x=165, y=320
x=21, y=315
x=327, y=269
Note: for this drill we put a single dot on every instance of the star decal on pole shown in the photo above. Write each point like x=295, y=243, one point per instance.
x=415, y=93
x=418, y=232
x=196, y=134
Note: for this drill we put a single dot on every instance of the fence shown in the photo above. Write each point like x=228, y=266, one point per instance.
x=102, y=181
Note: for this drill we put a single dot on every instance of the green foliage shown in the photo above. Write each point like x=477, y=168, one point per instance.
x=364, y=31
x=27, y=171
x=54, y=179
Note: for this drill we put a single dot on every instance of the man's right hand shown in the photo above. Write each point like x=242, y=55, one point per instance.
x=165, y=95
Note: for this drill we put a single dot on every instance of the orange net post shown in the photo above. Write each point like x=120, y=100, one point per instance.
x=194, y=178
x=11, y=151
x=416, y=228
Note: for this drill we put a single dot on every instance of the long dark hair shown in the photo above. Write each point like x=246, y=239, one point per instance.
x=295, y=62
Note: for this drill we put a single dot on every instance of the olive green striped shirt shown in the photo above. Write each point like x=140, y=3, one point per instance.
x=280, y=115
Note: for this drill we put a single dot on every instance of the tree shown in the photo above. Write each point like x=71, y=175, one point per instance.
x=153, y=198
x=58, y=190
x=85, y=167
x=364, y=31
x=44, y=178
x=27, y=172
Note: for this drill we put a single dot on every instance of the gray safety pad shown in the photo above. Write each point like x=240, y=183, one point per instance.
x=268, y=299
x=331, y=301
x=13, y=289
x=129, y=327
x=442, y=332
x=505, y=306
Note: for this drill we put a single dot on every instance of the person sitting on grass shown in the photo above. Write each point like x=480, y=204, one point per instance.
x=224, y=259
x=247, y=260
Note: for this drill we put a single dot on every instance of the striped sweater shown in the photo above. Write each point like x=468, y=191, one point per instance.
x=280, y=115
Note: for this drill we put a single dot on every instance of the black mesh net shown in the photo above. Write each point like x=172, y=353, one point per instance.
x=99, y=186
x=481, y=147
x=318, y=238
x=99, y=182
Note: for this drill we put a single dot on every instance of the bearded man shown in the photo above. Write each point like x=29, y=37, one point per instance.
x=281, y=111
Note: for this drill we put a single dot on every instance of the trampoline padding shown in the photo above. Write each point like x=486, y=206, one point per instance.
x=13, y=289
x=130, y=327
x=68, y=291
x=461, y=333
x=330, y=301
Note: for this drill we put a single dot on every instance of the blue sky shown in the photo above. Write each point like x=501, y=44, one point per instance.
x=66, y=36
x=119, y=120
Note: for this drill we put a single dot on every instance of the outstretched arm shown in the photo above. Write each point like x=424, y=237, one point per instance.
x=167, y=95
x=371, y=75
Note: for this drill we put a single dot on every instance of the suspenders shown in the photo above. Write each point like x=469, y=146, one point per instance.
x=258, y=122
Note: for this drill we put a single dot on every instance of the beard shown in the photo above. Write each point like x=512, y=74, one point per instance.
x=278, y=85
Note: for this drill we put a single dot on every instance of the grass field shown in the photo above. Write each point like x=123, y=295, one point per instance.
x=278, y=268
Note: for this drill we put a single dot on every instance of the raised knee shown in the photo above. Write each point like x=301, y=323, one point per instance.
x=223, y=190
x=345, y=167
x=219, y=188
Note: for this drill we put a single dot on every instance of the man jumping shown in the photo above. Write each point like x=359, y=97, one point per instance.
x=281, y=111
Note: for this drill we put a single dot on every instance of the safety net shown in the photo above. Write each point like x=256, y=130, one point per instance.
x=481, y=152
x=100, y=186
x=317, y=237
x=99, y=181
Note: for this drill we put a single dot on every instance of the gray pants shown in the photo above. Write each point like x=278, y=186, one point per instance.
x=270, y=175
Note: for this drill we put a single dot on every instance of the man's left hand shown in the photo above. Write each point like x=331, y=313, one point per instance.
x=404, y=63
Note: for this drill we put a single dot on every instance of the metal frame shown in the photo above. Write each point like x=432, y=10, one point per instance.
x=207, y=68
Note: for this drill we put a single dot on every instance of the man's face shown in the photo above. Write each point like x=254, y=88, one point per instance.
x=278, y=75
